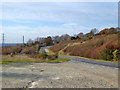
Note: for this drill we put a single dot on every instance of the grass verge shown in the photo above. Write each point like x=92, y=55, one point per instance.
x=50, y=52
x=25, y=59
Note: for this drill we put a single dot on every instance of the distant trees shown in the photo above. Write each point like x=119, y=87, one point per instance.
x=80, y=34
x=91, y=34
x=30, y=41
x=104, y=31
x=58, y=39
x=94, y=31
x=107, y=31
x=48, y=41
x=41, y=40
x=65, y=37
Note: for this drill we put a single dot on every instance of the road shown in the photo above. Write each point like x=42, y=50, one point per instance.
x=79, y=59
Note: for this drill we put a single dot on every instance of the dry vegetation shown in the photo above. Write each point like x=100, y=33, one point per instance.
x=94, y=48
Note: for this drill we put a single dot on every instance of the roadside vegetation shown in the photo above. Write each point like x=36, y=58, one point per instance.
x=102, y=45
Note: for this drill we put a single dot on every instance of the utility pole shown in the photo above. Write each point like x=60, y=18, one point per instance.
x=3, y=41
x=23, y=44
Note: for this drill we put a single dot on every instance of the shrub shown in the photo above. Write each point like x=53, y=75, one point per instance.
x=42, y=55
x=90, y=37
x=52, y=57
x=9, y=50
x=116, y=54
x=100, y=42
x=11, y=54
x=104, y=31
x=110, y=52
x=29, y=50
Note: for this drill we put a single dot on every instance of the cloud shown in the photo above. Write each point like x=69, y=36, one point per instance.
x=14, y=34
x=70, y=24
x=49, y=18
x=61, y=12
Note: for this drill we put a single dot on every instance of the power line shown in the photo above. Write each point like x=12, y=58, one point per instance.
x=23, y=44
x=3, y=40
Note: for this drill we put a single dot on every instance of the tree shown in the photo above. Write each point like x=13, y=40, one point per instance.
x=56, y=39
x=30, y=41
x=90, y=34
x=104, y=31
x=80, y=34
x=64, y=37
x=48, y=41
x=41, y=40
x=112, y=31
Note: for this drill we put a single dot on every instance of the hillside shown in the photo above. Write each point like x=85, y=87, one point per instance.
x=99, y=47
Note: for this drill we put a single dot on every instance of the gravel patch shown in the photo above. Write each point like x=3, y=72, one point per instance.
x=59, y=75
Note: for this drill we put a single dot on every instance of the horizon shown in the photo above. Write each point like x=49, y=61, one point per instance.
x=44, y=19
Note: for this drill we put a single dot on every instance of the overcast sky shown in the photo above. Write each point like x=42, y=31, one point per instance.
x=43, y=19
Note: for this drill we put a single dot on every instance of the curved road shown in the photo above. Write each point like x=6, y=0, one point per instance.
x=78, y=59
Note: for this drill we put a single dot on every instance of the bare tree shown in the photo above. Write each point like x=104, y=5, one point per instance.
x=30, y=41
x=94, y=31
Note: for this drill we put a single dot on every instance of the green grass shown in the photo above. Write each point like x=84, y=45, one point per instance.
x=41, y=50
x=50, y=52
x=60, y=60
x=18, y=61
x=24, y=59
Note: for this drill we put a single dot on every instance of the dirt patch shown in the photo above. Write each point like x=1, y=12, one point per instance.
x=60, y=75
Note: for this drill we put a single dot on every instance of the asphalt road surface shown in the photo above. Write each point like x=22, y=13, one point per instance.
x=78, y=59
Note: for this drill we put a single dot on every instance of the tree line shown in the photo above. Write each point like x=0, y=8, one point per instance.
x=50, y=40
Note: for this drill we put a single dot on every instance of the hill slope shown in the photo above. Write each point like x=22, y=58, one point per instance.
x=99, y=47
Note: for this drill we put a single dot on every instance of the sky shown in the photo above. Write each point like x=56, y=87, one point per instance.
x=42, y=19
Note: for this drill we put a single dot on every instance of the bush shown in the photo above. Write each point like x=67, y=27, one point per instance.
x=100, y=42
x=11, y=54
x=9, y=50
x=110, y=52
x=52, y=57
x=29, y=50
x=116, y=54
x=42, y=55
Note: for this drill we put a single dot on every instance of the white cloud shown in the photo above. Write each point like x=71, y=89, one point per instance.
x=77, y=17
x=60, y=12
x=14, y=34
x=69, y=24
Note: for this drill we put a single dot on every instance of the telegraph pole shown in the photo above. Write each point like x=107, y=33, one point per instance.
x=3, y=41
x=23, y=44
